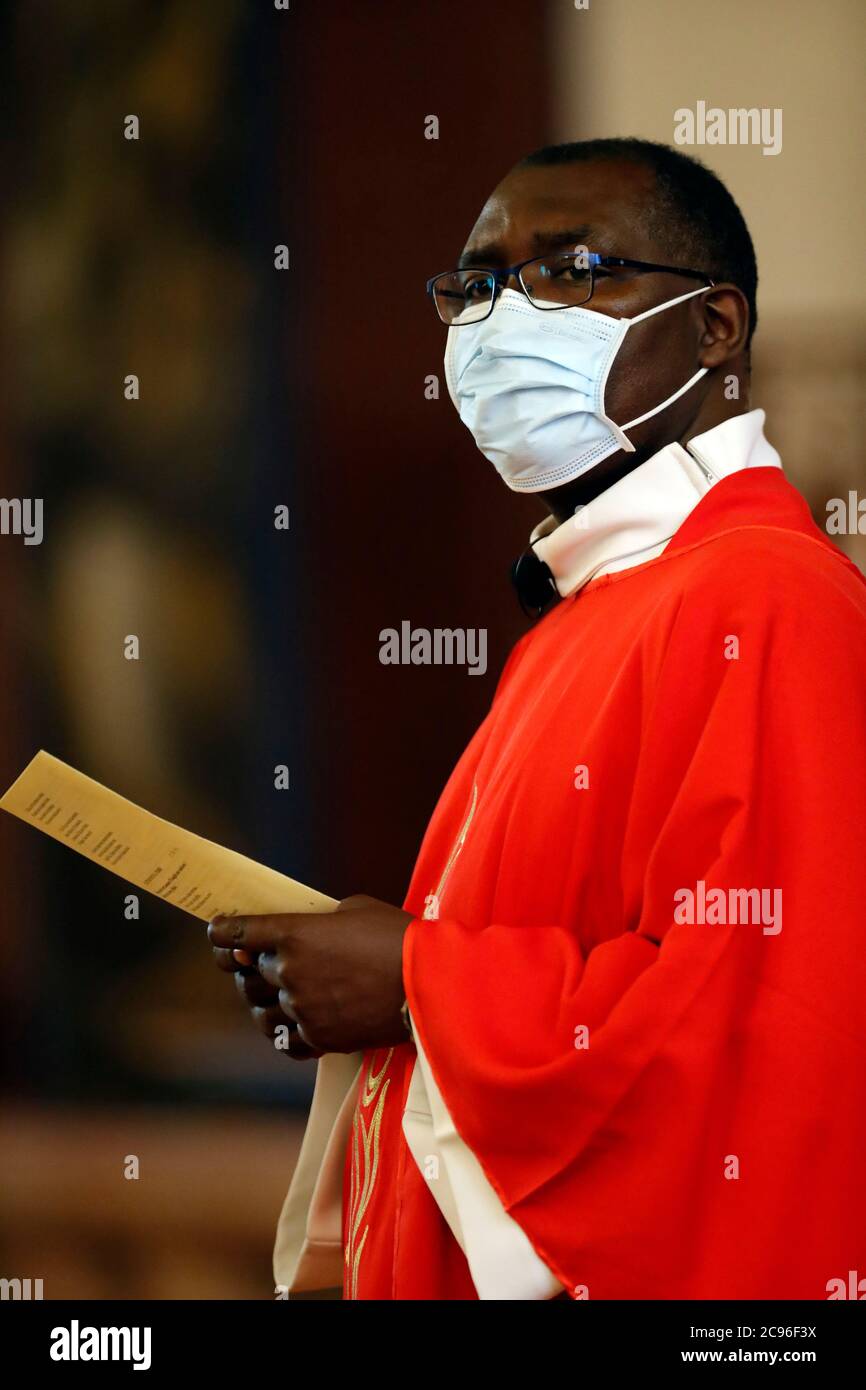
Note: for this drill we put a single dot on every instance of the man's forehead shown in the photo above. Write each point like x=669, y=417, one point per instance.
x=603, y=200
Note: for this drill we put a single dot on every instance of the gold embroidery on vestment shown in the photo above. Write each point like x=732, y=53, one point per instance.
x=365, y=1165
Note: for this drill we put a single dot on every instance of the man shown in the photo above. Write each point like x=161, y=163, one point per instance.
x=632, y=1056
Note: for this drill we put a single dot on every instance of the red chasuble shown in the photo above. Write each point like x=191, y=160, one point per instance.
x=641, y=978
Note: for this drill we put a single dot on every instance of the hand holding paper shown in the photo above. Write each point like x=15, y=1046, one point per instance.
x=338, y=980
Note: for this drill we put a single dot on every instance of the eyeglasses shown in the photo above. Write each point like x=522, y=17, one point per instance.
x=560, y=281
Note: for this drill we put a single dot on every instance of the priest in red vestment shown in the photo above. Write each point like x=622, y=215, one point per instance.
x=613, y=1044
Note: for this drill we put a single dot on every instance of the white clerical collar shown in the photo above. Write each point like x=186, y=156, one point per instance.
x=633, y=521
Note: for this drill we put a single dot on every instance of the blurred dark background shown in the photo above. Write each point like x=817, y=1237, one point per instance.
x=261, y=387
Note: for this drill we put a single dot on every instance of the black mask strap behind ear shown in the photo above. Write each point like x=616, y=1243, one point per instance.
x=534, y=584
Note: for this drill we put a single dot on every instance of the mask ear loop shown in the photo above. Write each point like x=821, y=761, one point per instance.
x=449, y=366
x=670, y=400
x=669, y=303
x=648, y=313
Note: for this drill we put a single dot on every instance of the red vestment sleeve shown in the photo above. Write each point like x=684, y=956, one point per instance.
x=679, y=1111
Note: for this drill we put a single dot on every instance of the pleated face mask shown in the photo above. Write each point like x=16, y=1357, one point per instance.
x=529, y=384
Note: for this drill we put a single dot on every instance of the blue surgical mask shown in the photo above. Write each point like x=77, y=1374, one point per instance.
x=530, y=384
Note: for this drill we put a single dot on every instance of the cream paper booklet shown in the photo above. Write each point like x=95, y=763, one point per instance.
x=184, y=869
x=206, y=880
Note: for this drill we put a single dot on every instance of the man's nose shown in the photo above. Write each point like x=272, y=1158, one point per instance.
x=510, y=281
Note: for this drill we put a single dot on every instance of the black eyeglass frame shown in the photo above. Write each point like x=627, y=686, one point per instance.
x=594, y=261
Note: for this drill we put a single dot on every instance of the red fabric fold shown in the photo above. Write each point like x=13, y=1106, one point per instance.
x=710, y=1138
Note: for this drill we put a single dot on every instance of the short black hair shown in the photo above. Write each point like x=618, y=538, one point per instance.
x=693, y=217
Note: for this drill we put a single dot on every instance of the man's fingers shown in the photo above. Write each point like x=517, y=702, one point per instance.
x=272, y=969
x=234, y=961
x=269, y=1019
x=225, y=960
x=298, y=1050
x=254, y=989
x=269, y=969
x=251, y=934
x=285, y=1002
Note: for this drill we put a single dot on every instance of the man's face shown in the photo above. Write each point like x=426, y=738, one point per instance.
x=602, y=206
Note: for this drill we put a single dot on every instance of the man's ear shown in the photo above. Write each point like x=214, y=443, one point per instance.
x=724, y=325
